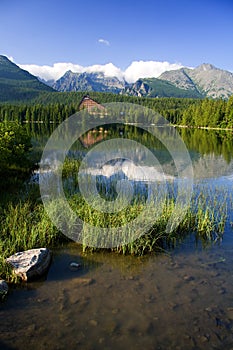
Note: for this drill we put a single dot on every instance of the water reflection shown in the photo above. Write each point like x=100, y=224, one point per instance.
x=211, y=151
x=209, y=142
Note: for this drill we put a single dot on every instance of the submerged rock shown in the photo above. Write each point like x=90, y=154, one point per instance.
x=31, y=263
x=3, y=289
x=74, y=266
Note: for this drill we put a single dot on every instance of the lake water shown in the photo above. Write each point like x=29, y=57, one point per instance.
x=181, y=299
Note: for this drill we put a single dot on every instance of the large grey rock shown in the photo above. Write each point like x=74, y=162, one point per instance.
x=3, y=289
x=30, y=263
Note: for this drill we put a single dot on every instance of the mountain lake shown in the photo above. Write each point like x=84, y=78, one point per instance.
x=180, y=298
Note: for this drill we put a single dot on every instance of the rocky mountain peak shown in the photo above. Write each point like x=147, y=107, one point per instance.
x=85, y=81
x=206, y=67
x=206, y=79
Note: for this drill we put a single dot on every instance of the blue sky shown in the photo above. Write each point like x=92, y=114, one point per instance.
x=186, y=32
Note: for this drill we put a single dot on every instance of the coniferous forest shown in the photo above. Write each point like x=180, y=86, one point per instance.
x=56, y=107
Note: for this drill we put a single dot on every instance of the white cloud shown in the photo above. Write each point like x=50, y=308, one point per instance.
x=136, y=70
x=108, y=69
x=59, y=69
x=51, y=72
x=148, y=69
x=103, y=41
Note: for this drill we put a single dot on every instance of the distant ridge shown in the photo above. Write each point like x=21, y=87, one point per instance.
x=17, y=84
x=154, y=87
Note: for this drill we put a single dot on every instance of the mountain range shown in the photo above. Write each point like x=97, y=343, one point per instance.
x=206, y=80
x=203, y=81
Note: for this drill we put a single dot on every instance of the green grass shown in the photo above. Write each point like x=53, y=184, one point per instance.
x=25, y=224
x=211, y=214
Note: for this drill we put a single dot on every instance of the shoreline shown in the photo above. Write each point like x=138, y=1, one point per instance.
x=201, y=127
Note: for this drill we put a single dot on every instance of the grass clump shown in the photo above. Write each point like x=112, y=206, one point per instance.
x=205, y=220
x=24, y=225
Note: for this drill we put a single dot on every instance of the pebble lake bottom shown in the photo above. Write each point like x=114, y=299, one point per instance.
x=180, y=300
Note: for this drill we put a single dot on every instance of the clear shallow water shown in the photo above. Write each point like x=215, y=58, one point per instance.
x=179, y=300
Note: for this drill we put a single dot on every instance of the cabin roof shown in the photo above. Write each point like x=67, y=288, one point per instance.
x=89, y=103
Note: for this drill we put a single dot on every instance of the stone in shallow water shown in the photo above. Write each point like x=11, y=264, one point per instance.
x=93, y=323
x=30, y=263
x=188, y=278
x=230, y=313
x=74, y=266
x=3, y=289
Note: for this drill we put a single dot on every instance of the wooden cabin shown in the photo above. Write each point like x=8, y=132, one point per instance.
x=91, y=105
x=94, y=108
